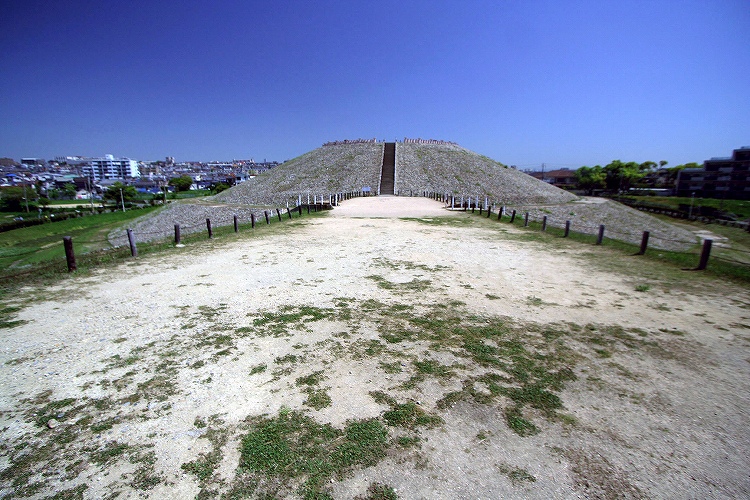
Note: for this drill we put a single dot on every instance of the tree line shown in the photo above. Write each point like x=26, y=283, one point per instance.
x=619, y=176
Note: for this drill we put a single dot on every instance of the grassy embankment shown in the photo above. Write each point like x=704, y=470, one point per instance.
x=36, y=254
x=730, y=258
x=32, y=245
x=740, y=208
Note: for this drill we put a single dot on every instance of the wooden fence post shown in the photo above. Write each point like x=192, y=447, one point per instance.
x=131, y=241
x=300, y=210
x=236, y=225
x=526, y=220
x=278, y=212
x=704, y=255
x=268, y=220
x=600, y=238
x=567, y=229
x=644, y=243
x=544, y=223
x=289, y=213
x=210, y=230
x=500, y=212
x=177, y=234
x=69, y=255
x=512, y=216
x=252, y=220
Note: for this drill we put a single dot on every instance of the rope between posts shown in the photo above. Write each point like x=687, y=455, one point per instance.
x=739, y=250
x=731, y=261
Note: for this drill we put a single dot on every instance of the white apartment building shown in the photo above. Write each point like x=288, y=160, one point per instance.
x=107, y=167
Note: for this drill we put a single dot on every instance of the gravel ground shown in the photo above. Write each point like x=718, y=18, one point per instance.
x=586, y=214
x=144, y=380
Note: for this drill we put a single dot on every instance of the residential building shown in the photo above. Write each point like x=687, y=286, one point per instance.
x=562, y=178
x=107, y=167
x=721, y=177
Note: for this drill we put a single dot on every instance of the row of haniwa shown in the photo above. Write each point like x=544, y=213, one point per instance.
x=427, y=141
x=351, y=141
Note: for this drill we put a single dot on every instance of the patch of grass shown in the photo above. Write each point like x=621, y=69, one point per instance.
x=517, y=423
x=288, y=358
x=391, y=368
x=378, y=491
x=410, y=415
x=204, y=466
x=292, y=446
x=317, y=399
x=7, y=315
x=408, y=441
x=534, y=301
x=157, y=388
x=313, y=379
x=258, y=369
x=603, y=353
x=425, y=368
x=145, y=476
x=516, y=474
x=642, y=288
x=415, y=285
x=108, y=453
x=54, y=409
x=75, y=493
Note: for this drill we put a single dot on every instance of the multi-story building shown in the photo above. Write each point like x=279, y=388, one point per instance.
x=725, y=177
x=107, y=167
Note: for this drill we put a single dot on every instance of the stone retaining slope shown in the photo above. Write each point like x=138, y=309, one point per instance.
x=447, y=168
x=330, y=169
x=440, y=168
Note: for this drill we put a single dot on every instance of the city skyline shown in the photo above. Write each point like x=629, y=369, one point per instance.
x=525, y=83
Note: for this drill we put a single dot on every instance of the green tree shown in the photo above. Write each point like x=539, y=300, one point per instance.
x=11, y=199
x=621, y=176
x=219, y=187
x=647, y=166
x=115, y=194
x=181, y=183
x=590, y=178
x=69, y=190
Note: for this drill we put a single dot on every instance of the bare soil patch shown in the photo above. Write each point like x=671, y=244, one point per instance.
x=390, y=348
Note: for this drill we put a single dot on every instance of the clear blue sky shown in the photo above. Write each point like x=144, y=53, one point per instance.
x=567, y=83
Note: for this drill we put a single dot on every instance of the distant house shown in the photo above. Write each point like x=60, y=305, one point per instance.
x=726, y=177
x=562, y=178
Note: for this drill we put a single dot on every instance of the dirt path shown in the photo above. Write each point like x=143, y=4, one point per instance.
x=499, y=367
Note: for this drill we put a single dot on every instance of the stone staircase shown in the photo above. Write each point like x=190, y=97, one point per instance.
x=388, y=175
